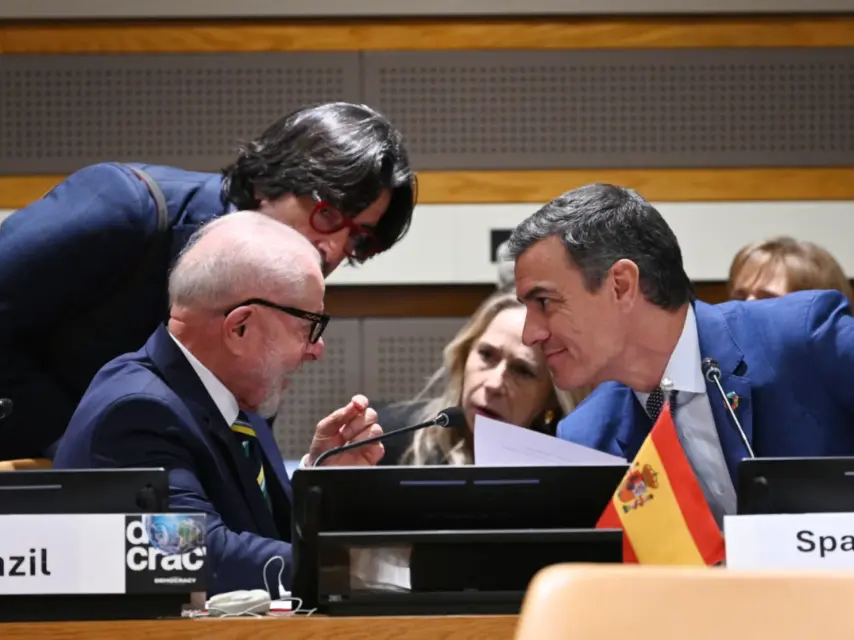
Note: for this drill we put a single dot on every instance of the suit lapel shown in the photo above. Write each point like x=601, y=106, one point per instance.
x=182, y=379
x=633, y=432
x=716, y=342
x=738, y=392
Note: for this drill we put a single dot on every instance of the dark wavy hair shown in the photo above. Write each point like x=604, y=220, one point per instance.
x=346, y=153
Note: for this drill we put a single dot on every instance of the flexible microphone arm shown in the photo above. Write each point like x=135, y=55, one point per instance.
x=6, y=407
x=452, y=417
x=712, y=373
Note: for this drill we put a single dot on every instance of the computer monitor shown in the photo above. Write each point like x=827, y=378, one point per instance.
x=89, y=491
x=84, y=491
x=460, y=530
x=795, y=485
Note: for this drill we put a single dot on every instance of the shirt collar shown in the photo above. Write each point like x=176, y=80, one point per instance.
x=219, y=393
x=684, y=367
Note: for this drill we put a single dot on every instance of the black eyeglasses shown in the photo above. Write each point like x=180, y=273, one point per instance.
x=318, y=320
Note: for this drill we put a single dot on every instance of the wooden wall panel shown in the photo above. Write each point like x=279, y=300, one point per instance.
x=200, y=36
x=437, y=301
x=659, y=185
x=204, y=36
x=667, y=185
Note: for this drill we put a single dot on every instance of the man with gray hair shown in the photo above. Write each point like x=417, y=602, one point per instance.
x=246, y=310
x=610, y=304
x=506, y=282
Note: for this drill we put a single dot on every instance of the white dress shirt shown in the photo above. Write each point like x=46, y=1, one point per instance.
x=695, y=423
x=219, y=393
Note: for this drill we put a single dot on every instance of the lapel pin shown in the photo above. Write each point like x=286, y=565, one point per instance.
x=732, y=397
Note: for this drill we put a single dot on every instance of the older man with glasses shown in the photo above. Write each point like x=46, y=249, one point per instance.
x=194, y=398
x=83, y=270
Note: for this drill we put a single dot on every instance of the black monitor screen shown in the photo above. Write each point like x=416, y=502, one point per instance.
x=795, y=485
x=84, y=491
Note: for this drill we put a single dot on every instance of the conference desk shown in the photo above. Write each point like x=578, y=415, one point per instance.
x=292, y=628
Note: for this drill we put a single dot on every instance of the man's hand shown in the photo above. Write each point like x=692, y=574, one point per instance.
x=352, y=423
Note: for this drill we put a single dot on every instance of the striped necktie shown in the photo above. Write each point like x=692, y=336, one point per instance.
x=251, y=449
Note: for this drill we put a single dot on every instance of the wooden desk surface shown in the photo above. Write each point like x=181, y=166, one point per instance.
x=302, y=628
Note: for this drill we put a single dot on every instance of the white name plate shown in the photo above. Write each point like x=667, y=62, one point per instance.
x=816, y=541
x=98, y=554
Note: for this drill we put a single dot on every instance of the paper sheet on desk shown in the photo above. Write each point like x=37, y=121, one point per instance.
x=498, y=444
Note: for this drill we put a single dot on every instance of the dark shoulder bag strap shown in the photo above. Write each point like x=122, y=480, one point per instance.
x=120, y=303
x=157, y=194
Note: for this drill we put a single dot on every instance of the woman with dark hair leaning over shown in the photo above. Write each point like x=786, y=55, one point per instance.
x=83, y=270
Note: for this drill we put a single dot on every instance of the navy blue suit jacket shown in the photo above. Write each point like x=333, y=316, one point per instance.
x=789, y=360
x=150, y=409
x=62, y=256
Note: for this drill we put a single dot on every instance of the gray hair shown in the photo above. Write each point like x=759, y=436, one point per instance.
x=506, y=265
x=598, y=225
x=258, y=255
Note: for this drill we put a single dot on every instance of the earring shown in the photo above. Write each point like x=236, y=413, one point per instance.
x=549, y=416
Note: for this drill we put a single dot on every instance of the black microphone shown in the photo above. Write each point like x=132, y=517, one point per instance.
x=712, y=373
x=451, y=418
x=6, y=407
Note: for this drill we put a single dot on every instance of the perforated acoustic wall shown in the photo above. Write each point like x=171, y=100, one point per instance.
x=457, y=109
x=59, y=113
x=387, y=360
x=546, y=109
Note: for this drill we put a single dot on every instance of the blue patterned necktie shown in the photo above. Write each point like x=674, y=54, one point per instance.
x=252, y=450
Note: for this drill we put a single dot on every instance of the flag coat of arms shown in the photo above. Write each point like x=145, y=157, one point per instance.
x=660, y=505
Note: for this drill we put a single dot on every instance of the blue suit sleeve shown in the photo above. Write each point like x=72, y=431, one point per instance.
x=830, y=345
x=55, y=254
x=140, y=432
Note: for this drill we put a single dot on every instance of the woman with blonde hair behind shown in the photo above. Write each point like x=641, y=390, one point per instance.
x=487, y=371
x=781, y=265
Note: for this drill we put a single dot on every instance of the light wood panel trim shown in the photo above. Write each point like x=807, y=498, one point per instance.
x=659, y=185
x=405, y=301
x=359, y=35
x=431, y=301
x=434, y=301
x=293, y=628
x=19, y=191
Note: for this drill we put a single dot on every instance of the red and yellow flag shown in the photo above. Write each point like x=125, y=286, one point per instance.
x=660, y=506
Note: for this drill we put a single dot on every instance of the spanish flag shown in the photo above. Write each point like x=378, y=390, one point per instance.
x=660, y=506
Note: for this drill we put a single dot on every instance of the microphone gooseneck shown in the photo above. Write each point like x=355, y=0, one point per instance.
x=6, y=407
x=712, y=373
x=450, y=418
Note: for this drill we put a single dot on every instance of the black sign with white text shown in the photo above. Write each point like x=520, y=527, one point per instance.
x=165, y=553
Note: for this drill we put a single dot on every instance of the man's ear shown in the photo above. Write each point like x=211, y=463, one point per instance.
x=624, y=278
x=234, y=328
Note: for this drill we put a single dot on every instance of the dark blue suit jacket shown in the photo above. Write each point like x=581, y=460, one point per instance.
x=790, y=360
x=150, y=409
x=60, y=258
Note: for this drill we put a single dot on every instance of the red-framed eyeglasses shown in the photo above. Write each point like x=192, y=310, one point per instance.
x=362, y=242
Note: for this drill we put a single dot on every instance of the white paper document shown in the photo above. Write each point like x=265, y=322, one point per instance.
x=499, y=444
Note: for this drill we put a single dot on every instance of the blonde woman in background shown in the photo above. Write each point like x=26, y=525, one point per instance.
x=772, y=268
x=487, y=371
